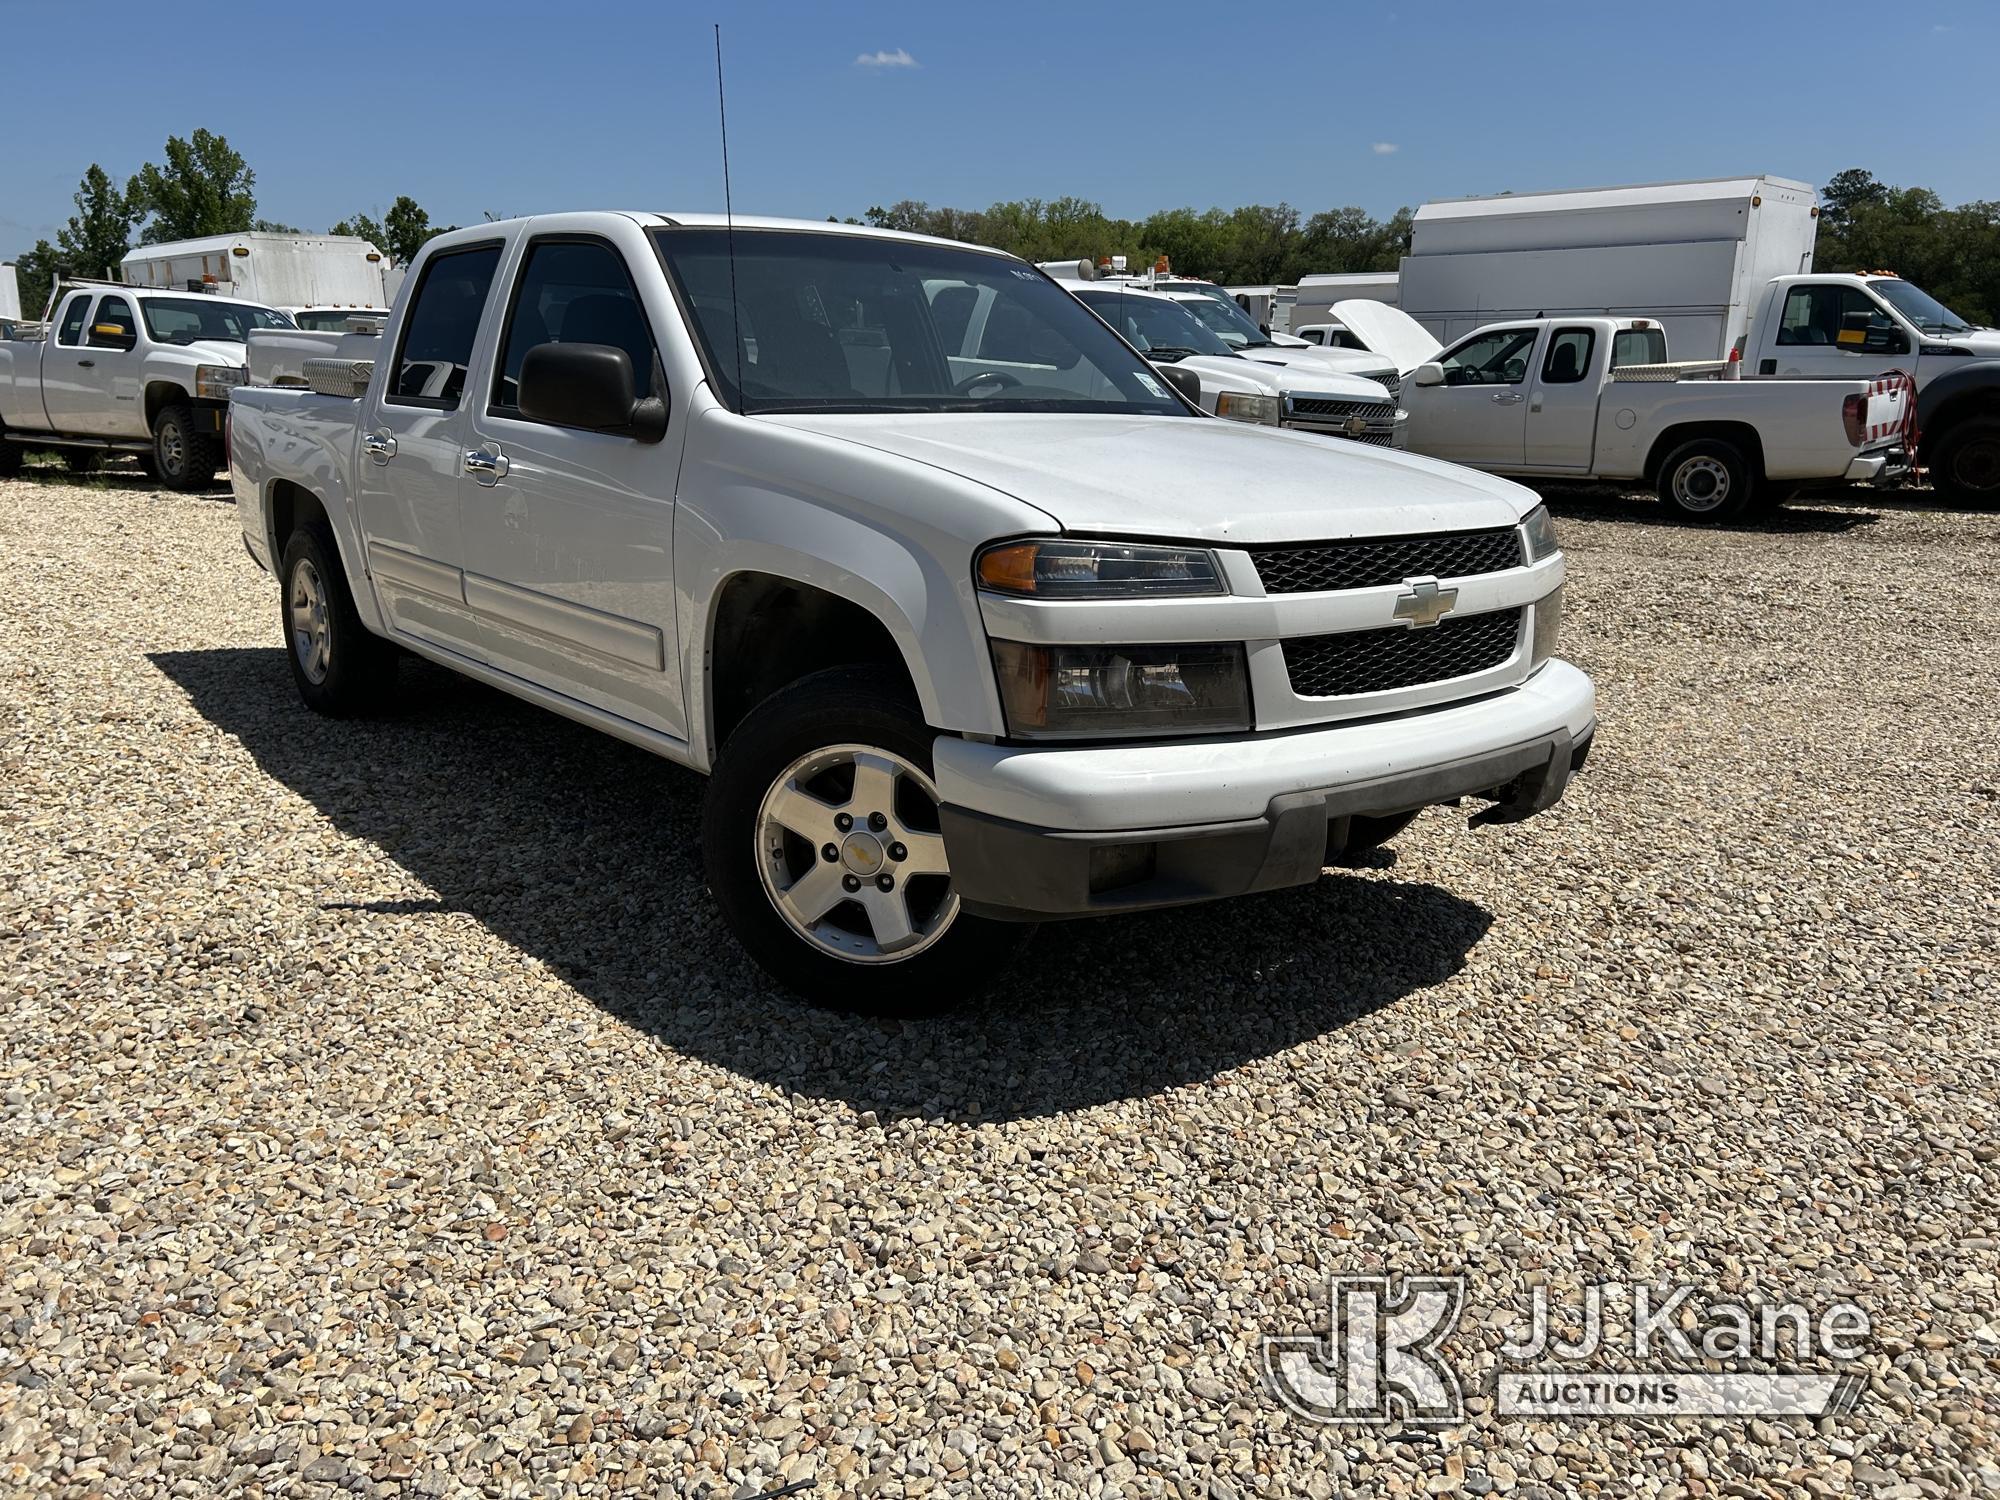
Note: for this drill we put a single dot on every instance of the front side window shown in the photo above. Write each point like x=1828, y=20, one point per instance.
x=72, y=319
x=1833, y=315
x=574, y=292
x=1569, y=354
x=112, y=327
x=443, y=322
x=850, y=323
x=1496, y=358
x=186, y=320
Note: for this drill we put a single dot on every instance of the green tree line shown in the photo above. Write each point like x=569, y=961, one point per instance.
x=201, y=186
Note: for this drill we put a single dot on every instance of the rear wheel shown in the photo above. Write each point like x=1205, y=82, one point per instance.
x=184, y=457
x=1965, y=463
x=823, y=848
x=341, y=667
x=1707, y=480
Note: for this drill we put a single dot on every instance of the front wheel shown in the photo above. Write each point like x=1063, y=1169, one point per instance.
x=1707, y=480
x=184, y=457
x=340, y=667
x=1965, y=463
x=823, y=848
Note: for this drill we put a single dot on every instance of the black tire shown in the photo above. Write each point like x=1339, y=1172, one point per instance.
x=183, y=457
x=1707, y=480
x=844, y=706
x=1364, y=835
x=1965, y=463
x=83, y=460
x=347, y=670
x=10, y=459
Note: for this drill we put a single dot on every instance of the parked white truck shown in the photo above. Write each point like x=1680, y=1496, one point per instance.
x=963, y=639
x=322, y=276
x=1594, y=398
x=121, y=370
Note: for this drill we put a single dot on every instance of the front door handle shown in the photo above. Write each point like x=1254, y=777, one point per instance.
x=86, y=364
x=1506, y=398
x=380, y=446
x=488, y=465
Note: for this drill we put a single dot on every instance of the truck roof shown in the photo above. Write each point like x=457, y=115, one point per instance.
x=210, y=243
x=1698, y=190
x=582, y=218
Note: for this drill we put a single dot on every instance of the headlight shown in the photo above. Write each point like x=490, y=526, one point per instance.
x=214, y=382
x=1540, y=534
x=1242, y=406
x=1122, y=690
x=1548, y=621
x=1062, y=569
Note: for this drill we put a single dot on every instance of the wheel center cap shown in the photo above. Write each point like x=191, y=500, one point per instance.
x=862, y=854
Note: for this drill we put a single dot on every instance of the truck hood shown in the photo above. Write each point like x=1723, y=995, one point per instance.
x=1389, y=331
x=1316, y=361
x=1984, y=342
x=1186, y=478
x=1221, y=372
x=210, y=352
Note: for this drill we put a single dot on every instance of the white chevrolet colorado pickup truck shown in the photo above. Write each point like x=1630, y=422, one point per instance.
x=1593, y=398
x=964, y=639
x=127, y=370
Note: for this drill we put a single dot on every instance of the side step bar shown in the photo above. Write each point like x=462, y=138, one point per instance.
x=50, y=440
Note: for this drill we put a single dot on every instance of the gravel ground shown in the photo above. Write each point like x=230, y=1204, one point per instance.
x=385, y=1111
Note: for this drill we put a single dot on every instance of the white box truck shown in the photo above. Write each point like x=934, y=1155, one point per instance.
x=1694, y=256
x=294, y=272
x=10, y=293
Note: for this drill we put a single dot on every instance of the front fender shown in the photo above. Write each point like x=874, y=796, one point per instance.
x=890, y=535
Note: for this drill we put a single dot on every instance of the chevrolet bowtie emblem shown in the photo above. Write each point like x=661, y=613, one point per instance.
x=1423, y=603
x=1357, y=427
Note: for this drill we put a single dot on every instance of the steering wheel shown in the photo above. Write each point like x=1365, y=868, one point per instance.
x=998, y=379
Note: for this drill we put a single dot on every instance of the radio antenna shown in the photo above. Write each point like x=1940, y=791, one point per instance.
x=729, y=218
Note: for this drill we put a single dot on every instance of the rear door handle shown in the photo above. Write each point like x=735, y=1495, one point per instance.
x=380, y=446
x=488, y=465
x=1506, y=398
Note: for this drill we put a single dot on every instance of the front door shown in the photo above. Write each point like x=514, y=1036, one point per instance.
x=569, y=533
x=413, y=435
x=1479, y=415
x=1830, y=330
x=1562, y=407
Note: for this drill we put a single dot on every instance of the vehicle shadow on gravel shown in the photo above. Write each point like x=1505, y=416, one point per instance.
x=1813, y=513
x=583, y=853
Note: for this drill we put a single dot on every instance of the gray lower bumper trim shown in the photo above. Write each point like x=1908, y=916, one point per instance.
x=1018, y=872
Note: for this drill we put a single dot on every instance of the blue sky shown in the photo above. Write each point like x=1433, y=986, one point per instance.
x=516, y=108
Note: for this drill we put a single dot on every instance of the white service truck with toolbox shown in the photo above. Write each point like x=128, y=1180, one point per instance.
x=123, y=370
x=966, y=634
x=1595, y=398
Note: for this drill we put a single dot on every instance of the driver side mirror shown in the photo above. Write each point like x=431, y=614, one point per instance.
x=112, y=336
x=1430, y=372
x=1187, y=382
x=588, y=386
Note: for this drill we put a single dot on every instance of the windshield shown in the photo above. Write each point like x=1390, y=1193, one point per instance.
x=852, y=323
x=1226, y=318
x=1920, y=307
x=183, y=320
x=1166, y=330
x=333, y=320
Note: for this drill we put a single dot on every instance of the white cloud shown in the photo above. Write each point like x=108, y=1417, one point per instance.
x=897, y=59
x=1385, y=148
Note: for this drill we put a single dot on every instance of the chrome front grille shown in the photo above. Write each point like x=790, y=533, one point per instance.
x=1379, y=661
x=1337, y=418
x=1370, y=562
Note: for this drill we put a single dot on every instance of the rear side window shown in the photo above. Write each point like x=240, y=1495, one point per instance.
x=574, y=292
x=1568, y=358
x=112, y=327
x=72, y=319
x=436, y=352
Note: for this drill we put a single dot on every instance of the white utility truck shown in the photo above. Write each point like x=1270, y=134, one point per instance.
x=335, y=273
x=1594, y=398
x=123, y=370
x=10, y=294
x=1309, y=314
x=1692, y=256
x=964, y=637
x=1329, y=402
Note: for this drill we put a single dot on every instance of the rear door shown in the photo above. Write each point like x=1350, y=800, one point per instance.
x=69, y=367
x=1562, y=407
x=1479, y=416
x=108, y=384
x=1833, y=330
x=408, y=474
x=569, y=533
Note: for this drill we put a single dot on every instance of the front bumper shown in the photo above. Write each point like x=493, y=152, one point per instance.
x=1885, y=467
x=1052, y=831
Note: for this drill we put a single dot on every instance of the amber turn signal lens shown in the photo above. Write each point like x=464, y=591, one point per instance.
x=1009, y=569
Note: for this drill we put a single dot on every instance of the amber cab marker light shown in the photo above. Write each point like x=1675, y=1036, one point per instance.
x=1009, y=569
